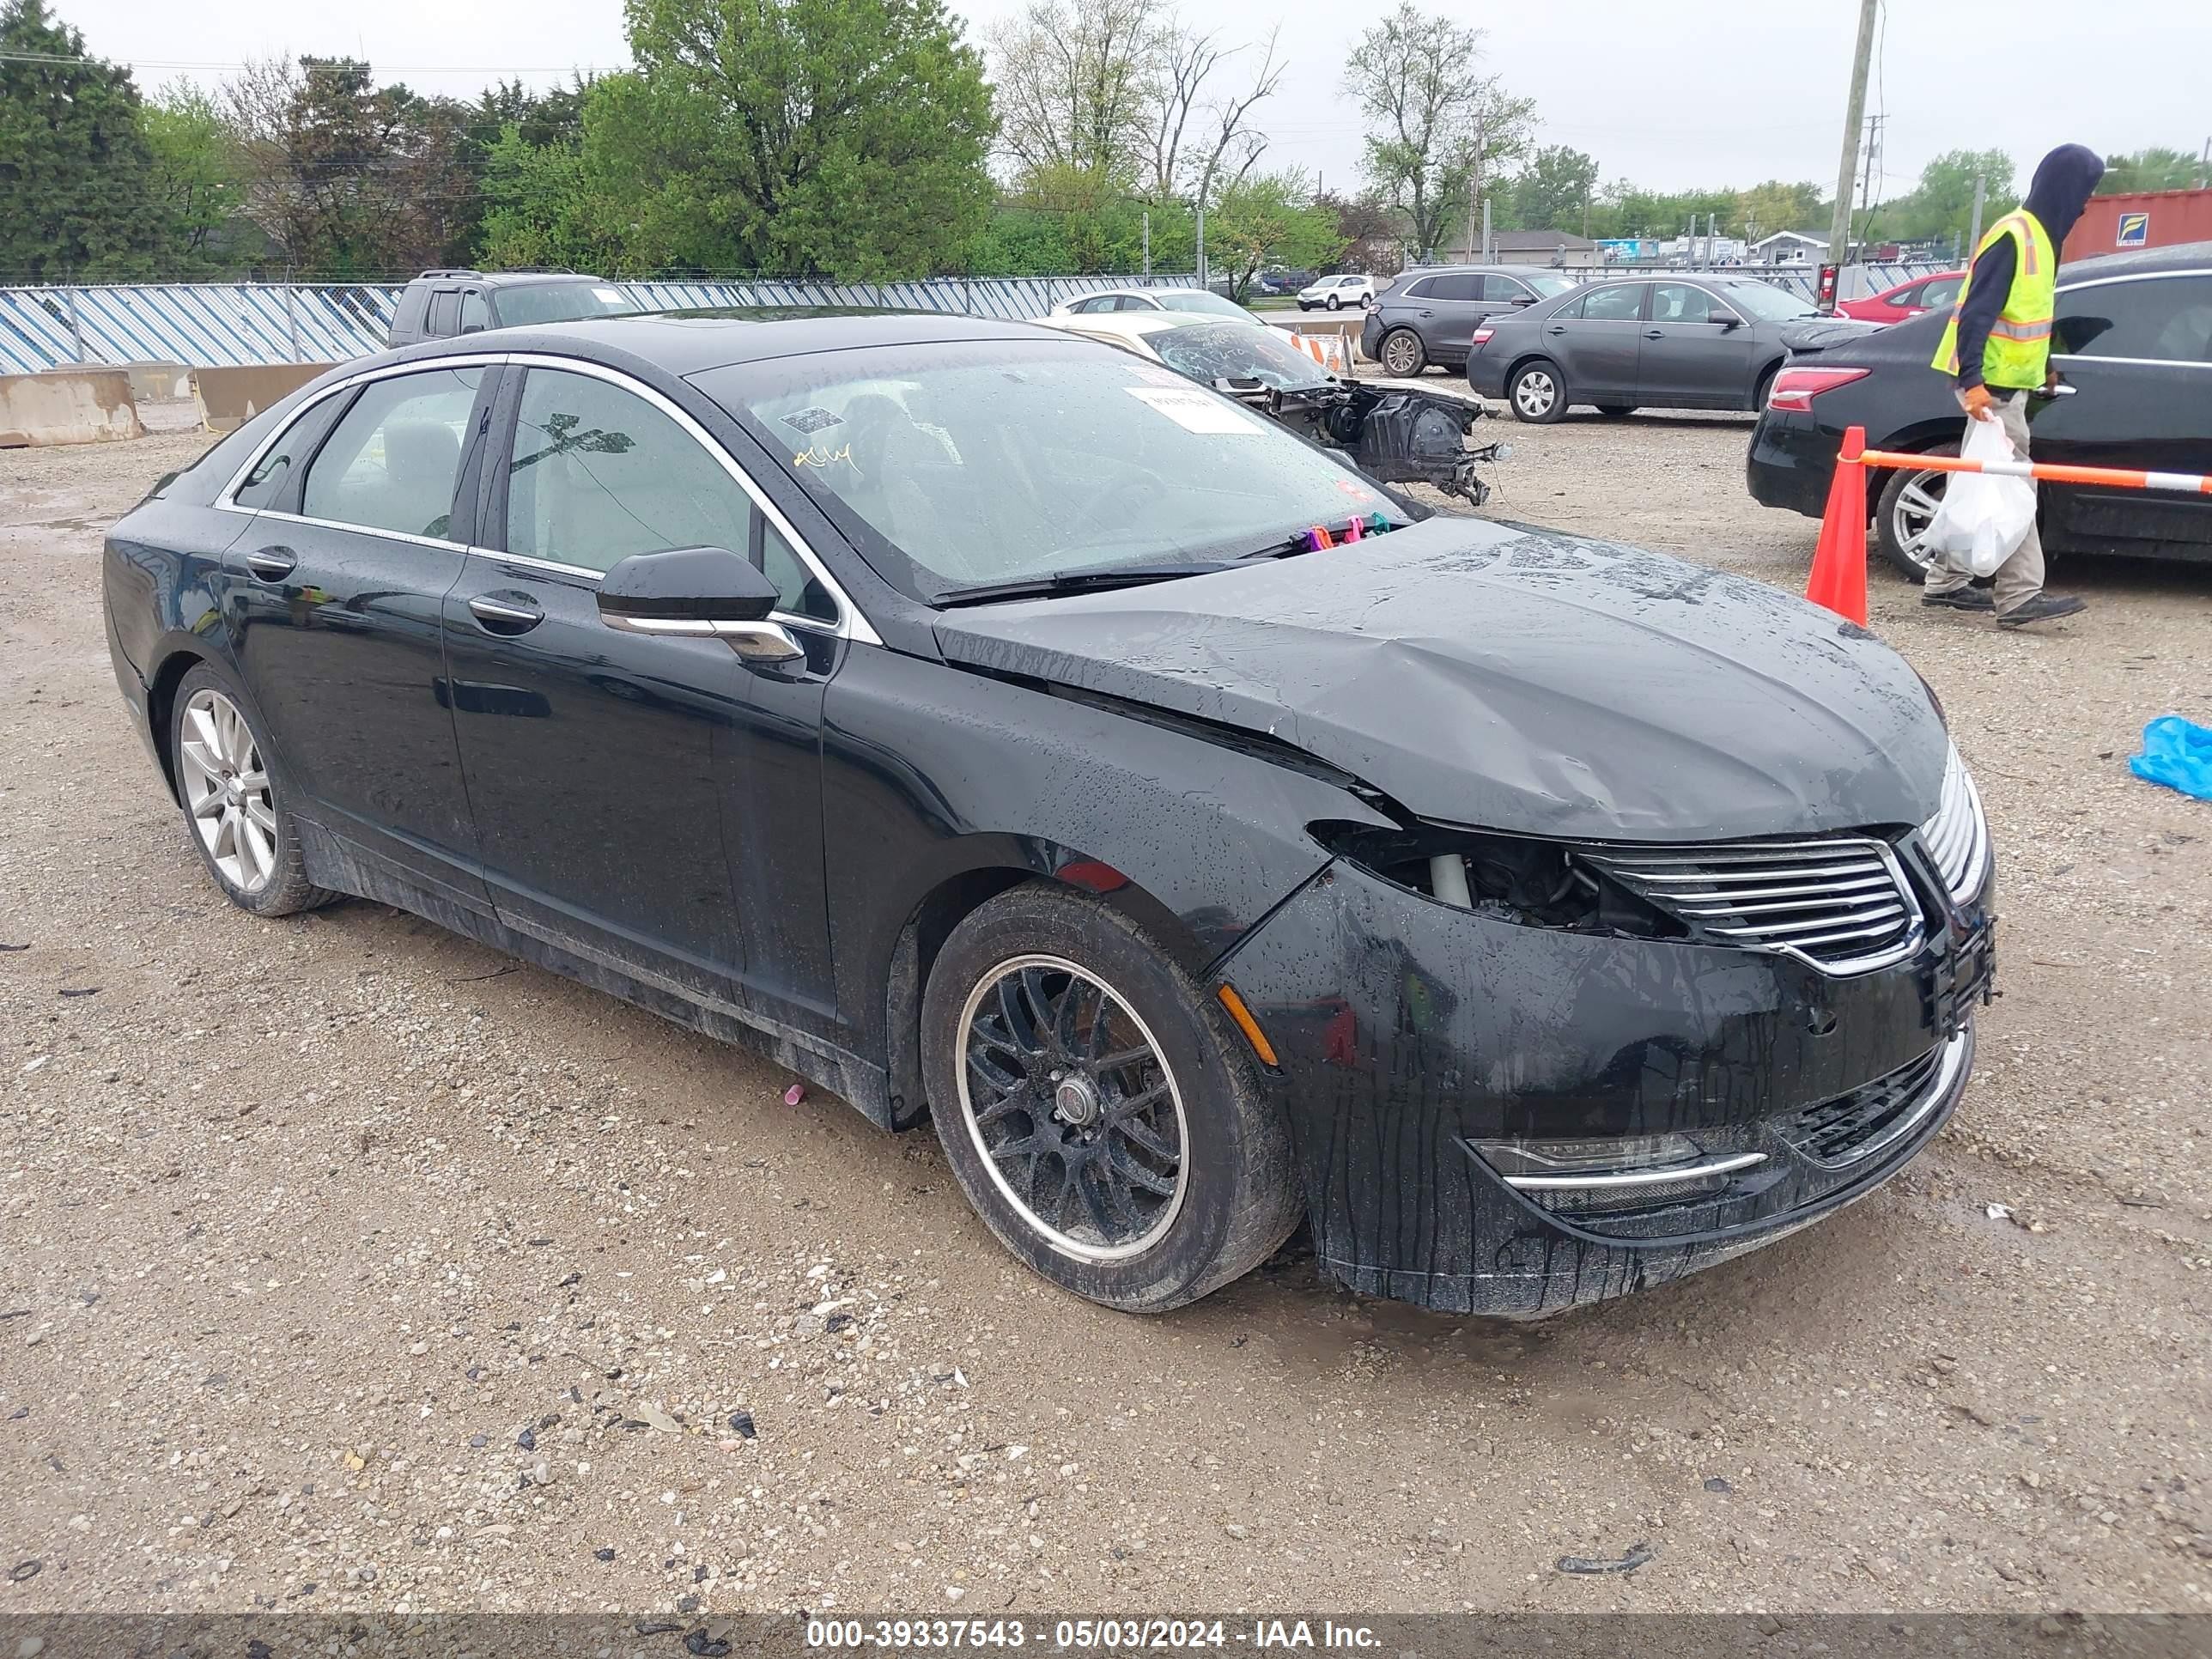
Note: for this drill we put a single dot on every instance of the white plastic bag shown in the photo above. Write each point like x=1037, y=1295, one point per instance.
x=1982, y=519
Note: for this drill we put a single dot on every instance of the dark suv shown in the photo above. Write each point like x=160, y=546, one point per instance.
x=440, y=304
x=1430, y=313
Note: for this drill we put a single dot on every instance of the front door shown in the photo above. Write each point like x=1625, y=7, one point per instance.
x=1688, y=360
x=620, y=803
x=2138, y=354
x=1596, y=341
x=339, y=582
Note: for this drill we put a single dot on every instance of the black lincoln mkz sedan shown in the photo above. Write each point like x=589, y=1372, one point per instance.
x=957, y=712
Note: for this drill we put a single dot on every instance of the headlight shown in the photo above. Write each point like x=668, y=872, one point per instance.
x=1516, y=879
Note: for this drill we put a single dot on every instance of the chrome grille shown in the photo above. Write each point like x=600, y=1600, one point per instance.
x=1840, y=903
x=1957, y=836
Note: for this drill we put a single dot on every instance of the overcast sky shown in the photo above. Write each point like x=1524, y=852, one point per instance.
x=1726, y=92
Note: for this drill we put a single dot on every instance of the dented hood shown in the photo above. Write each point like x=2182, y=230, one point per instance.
x=1513, y=678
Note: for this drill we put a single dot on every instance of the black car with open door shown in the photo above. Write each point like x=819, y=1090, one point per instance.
x=963, y=714
x=2132, y=339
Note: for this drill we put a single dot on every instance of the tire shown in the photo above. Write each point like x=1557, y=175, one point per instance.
x=1907, y=502
x=245, y=836
x=1231, y=1195
x=1402, y=353
x=1616, y=411
x=1334, y=303
x=1765, y=386
x=1535, y=394
x=1304, y=305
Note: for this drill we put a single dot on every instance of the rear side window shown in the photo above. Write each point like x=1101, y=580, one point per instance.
x=1461, y=287
x=1621, y=304
x=445, y=313
x=1419, y=290
x=598, y=474
x=280, y=464
x=2165, y=320
x=391, y=463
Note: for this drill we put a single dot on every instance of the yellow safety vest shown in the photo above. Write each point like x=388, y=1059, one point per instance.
x=2019, y=351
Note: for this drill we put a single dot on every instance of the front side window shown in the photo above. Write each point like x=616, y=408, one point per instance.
x=2165, y=320
x=392, y=461
x=959, y=464
x=1623, y=304
x=475, y=314
x=1502, y=290
x=598, y=474
x=1938, y=291
x=1198, y=299
x=1678, y=302
x=1551, y=287
x=1765, y=303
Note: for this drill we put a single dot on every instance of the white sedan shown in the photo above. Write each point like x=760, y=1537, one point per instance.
x=1152, y=303
x=1335, y=292
x=1204, y=348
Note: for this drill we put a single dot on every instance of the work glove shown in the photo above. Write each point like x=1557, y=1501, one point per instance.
x=1977, y=402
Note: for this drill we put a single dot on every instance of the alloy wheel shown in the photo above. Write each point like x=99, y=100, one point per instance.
x=1918, y=500
x=1402, y=353
x=1072, y=1107
x=227, y=791
x=1535, y=392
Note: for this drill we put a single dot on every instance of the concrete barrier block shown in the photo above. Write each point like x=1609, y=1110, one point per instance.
x=229, y=398
x=67, y=406
x=158, y=382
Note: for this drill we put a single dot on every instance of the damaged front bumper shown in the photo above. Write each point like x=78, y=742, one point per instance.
x=1417, y=1039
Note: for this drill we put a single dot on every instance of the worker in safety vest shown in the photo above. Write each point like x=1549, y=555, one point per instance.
x=1998, y=346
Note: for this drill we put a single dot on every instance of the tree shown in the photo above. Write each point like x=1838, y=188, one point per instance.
x=1773, y=205
x=1942, y=206
x=847, y=136
x=1373, y=232
x=1270, y=220
x=1552, y=192
x=1432, y=117
x=1073, y=82
x=2155, y=167
x=195, y=179
x=74, y=158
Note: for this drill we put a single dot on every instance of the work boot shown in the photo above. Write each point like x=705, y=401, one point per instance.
x=2043, y=607
x=1959, y=598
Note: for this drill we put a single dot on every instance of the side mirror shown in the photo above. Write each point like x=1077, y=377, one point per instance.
x=1524, y=300
x=1726, y=319
x=698, y=592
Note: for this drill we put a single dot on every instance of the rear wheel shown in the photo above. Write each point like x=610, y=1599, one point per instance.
x=1534, y=393
x=1101, y=1115
x=1403, y=355
x=235, y=816
x=1906, y=507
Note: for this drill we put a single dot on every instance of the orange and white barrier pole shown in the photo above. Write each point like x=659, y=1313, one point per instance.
x=1838, y=575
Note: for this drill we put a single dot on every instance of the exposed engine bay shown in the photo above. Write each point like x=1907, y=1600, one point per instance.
x=1396, y=435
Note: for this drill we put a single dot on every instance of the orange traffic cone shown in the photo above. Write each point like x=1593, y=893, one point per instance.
x=1838, y=579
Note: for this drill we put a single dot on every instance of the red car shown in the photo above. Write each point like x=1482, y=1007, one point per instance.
x=1906, y=299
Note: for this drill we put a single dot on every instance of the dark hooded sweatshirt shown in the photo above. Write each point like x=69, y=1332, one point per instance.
x=2064, y=180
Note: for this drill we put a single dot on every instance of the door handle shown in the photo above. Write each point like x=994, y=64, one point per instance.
x=1428, y=314
x=1557, y=328
x=502, y=616
x=1655, y=333
x=271, y=564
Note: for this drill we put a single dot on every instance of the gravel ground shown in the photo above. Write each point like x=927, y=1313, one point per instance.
x=354, y=1266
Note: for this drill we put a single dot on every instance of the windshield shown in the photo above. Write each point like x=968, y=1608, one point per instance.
x=1191, y=299
x=1547, y=287
x=959, y=464
x=1219, y=351
x=1767, y=303
x=561, y=303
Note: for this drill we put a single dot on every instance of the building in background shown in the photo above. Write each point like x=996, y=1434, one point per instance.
x=1789, y=247
x=1525, y=247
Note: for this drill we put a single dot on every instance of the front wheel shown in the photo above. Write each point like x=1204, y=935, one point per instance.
x=1102, y=1117
x=1335, y=304
x=1905, y=509
x=1535, y=395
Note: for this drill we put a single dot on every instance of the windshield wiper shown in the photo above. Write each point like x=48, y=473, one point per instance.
x=1073, y=582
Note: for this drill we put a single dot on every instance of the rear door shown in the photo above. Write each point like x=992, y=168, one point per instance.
x=1688, y=360
x=2138, y=352
x=1597, y=340
x=341, y=578
x=1450, y=306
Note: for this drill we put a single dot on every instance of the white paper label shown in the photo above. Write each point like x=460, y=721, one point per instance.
x=611, y=296
x=1194, y=410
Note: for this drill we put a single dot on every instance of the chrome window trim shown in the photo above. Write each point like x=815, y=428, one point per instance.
x=2134, y=276
x=852, y=623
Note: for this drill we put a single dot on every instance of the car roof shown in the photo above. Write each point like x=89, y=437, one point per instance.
x=507, y=278
x=2142, y=262
x=692, y=345
x=1131, y=322
x=1459, y=270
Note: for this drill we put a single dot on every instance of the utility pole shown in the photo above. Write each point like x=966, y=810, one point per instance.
x=1148, y=241
x=1487, y=257
x=1474, y=188
x=1872, y=159
x=1839, y=222
x=1974, y=236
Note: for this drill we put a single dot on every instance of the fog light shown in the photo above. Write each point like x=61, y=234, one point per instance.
x=1613, y=1171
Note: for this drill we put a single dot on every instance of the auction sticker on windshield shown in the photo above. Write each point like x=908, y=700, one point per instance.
x=1193, y=410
